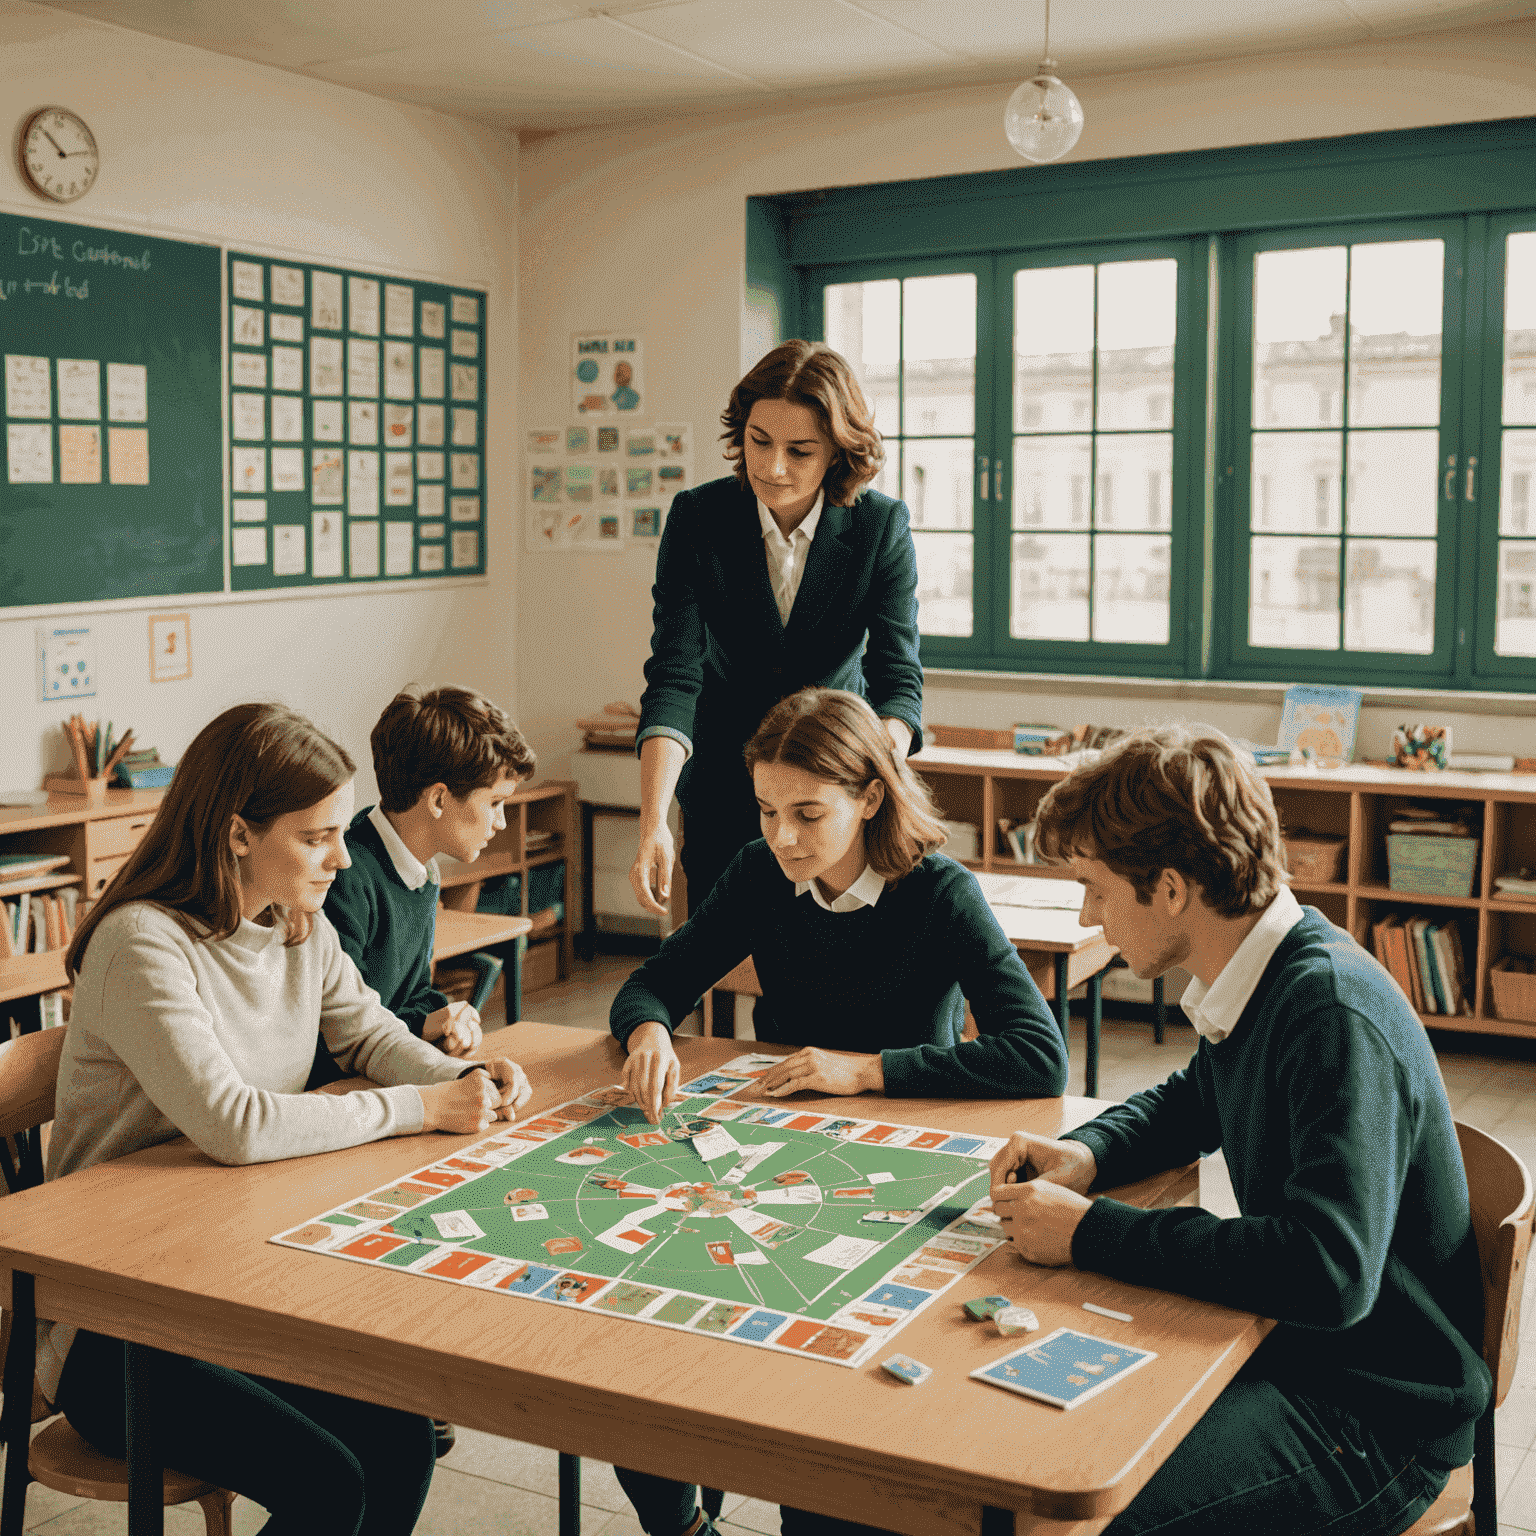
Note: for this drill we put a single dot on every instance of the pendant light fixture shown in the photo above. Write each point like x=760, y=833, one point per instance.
x=1043, y=118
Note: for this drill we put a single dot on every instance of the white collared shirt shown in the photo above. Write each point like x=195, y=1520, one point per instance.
x=1215, y=1010
x=864, y=892
x=787, y=557
x=413, y=873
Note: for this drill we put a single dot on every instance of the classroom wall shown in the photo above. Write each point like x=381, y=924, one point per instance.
x=643, y=229
x=202, y=147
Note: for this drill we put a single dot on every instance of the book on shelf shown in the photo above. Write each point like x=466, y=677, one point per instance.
x=22, y=866
x=1421, y=821
x=1426, y=960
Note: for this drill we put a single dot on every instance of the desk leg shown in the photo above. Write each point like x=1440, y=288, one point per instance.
x=514, y=988
x=1063, y=1007
x=570, y=1495
x=996, y=1522
x=20, y=1361
x=1095, y=1018
x=146, y=1481
x=584, y=944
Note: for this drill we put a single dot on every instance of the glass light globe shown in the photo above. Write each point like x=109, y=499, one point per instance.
x=1043, y=119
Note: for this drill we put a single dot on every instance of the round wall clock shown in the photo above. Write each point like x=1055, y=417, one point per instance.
x=59, y=158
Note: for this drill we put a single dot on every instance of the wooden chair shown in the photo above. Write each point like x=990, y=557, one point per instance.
x=720, y=1000
x=1500, y=1186
x=57, y=1457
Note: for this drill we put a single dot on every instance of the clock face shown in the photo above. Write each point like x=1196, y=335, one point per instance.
x=58, y=155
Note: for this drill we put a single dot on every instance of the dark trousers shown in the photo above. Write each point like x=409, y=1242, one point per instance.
x=320, y=1465
x=711, y=839
x=665, y=1508
x=1268, y=1461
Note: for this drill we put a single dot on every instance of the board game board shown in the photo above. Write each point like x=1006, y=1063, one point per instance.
x=815, y=1234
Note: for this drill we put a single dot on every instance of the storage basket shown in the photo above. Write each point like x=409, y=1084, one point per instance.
x=1513, y=979
x=1314, y=858
x=1437, y=866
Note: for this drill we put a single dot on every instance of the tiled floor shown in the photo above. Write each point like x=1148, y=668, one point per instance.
x=488, y=1485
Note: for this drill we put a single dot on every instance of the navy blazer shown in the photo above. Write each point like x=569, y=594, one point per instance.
x=721, y=658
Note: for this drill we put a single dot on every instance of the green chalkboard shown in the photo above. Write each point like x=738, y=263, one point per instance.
x=357, y=426
x=111, y=344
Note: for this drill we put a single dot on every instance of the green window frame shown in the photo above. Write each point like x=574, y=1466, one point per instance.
x=1467, y=185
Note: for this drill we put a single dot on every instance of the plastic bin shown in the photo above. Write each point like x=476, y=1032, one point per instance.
x=1436, y=866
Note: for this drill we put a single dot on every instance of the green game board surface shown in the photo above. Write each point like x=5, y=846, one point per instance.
x=819, y=1234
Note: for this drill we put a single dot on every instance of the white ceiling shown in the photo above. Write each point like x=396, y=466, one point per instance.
x=544, y=65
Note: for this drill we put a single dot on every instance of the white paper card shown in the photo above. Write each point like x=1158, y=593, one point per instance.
x=433, y=319
x=324, y=365
x=363, y=487
x=248, y=416
x=466, y=381
x=326, y=476
x=431, y=530
x=397, y=425
x=245, y=280
x=248, y=370
x=399, y=481
x=249, y=546
x=29, y=453
x=431, y=364
x=286, y=327
x=429, y=501
x=466, y=471
x=466, y=549
x=288, y=286
x=458, y=1225
x=287, y=368
x=363, y=305
x=466, y=344
x=363, y=548
x=325, y=300
x=328, y=421
x=28, y=391
x=466, y=309
x=430, y=558
x=466, y=427
x=327, y=542
x=79, y=389
x=399, y=308
x=716, y=1141
x=399, y=543
x=288, y=550
x=362, y=423
x=399, y=370
x=287, y=469
x=429, y=424
x=248, y=470
x=465, y=509
x=127, y=392
x=247, y=511
x=287, y=419
x=247, y=327
x=429, y=466
x=362, y=367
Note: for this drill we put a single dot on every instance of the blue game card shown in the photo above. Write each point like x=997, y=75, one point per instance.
x=1065, y=1368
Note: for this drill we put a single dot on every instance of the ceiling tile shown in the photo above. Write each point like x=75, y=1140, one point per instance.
x=794, y=42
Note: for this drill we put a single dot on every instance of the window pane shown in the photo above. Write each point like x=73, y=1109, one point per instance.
x=1390, y=595
x=1296, y=478
x=1515, y=627
x=1130, y=588
x=943, y=583
x=1051, y=485
x=1138, y=304
x=1050, y=587
x=938, y=349
x=1298, y=338
x=863, y=322
x=1293, y=595
x=1395, y=294
x=1393, y=485
x=1135, y=482
x=1052, y=349
x=936, y=481
x=1520, y=329
x=1517, y=504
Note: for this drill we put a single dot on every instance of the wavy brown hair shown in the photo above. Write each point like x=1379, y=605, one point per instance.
x=810, y=373
x=836, y=737
x=257, y=762
x=1172, y=798
x=448, y=736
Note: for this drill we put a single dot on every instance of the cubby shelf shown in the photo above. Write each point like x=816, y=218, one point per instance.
x=1356, y=803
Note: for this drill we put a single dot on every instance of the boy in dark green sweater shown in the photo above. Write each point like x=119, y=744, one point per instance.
x=1318, y=1082
x=446, y=763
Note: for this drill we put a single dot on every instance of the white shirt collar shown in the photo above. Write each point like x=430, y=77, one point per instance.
x=864, y=892
x=413, y=873
x=1215, y=1010
x=771, y=529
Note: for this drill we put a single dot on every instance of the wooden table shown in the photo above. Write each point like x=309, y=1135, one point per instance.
x=462, y=933
x=96, y=1250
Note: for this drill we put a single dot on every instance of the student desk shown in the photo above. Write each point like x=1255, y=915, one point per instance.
x=98, y=1250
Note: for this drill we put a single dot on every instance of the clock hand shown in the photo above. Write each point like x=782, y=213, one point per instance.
x=55, y=143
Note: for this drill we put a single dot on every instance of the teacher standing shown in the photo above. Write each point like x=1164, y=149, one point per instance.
x=789, y=574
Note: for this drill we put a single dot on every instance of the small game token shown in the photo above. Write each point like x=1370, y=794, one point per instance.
x=1012, y=1320
x=905, y=1368
x=986, y=1306
x=1119, y=1317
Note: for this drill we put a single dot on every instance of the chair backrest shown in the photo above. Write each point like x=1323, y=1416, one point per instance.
x=742, y=980
x=1502, y=1208
x=29, y=1072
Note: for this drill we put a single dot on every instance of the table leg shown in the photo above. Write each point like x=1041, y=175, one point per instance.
x=1095, y=1018
x=1063, y=1007
x=20, y=1361
x=584, y=942
x=514, y=987
x=996, y=1522
x=146, y=1481
x=570, y=1495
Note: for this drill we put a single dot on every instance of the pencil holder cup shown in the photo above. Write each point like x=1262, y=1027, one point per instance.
x=90, y=789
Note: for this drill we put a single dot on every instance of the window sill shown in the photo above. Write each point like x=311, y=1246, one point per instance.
x=1219, y=690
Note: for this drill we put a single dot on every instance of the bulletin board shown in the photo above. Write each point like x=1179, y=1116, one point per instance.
x=357, y=426
x=113, y=439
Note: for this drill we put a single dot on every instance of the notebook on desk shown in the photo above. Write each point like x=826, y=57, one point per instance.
x=1043, y=894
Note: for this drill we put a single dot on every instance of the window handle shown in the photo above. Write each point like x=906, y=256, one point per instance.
x=986, y=476
x=1450, y=477
x=1471, y=477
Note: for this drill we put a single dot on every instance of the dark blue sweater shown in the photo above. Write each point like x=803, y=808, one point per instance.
x=886, y=979
x=1356, y=1231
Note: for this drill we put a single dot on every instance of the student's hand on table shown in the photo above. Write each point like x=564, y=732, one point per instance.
x=454, y=1030
x=475, y=1101
x=652, y=1072
x=651, y=873
x=512, y=1085
x=1041, y=1217
x=816, y=1071
x=1027, y=1156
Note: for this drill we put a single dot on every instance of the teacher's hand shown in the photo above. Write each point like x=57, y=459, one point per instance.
x=651, y=873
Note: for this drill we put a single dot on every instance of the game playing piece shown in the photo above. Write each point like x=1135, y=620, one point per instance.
x=984, y=1307
x=905, y=1368
x=1119, y=1317
x=1013, y=1320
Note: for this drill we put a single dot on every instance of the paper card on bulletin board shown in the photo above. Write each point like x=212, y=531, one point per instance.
x=607, y=374
x=576, y=529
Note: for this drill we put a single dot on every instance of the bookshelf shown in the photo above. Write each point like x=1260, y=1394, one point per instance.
x=1354, y=802
x=541, y=829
